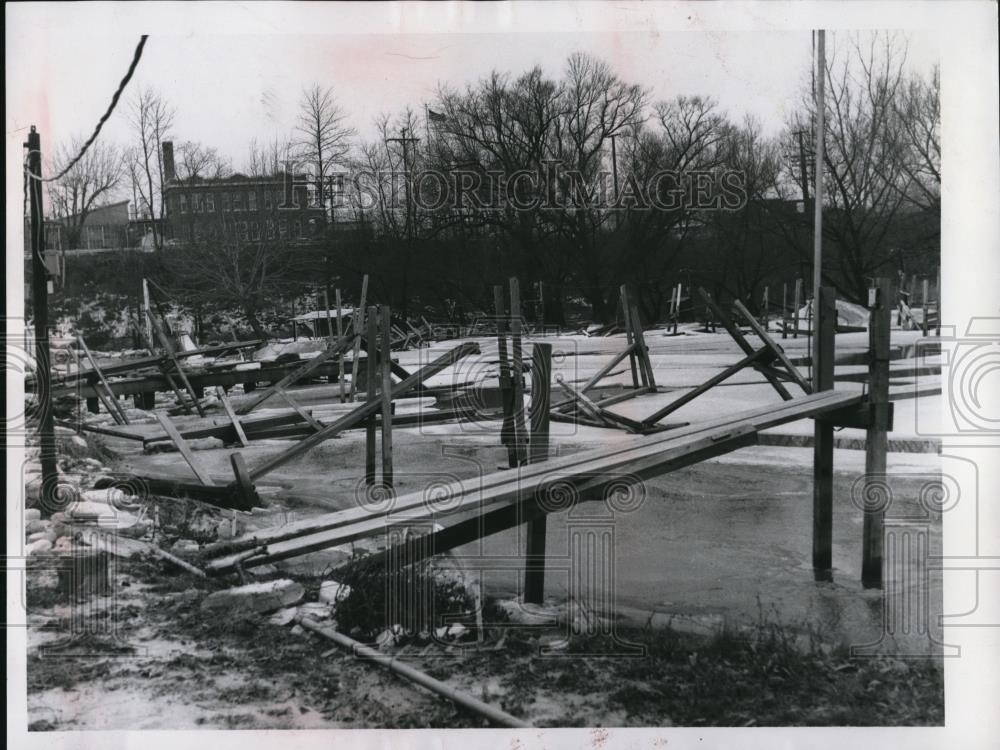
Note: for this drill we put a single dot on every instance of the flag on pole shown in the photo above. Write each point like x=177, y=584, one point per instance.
x=436, y=117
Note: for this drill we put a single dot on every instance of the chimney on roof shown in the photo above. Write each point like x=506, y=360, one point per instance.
x=169, y=173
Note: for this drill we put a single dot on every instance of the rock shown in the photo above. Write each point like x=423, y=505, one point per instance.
x=315, y=563
x=113, y=497
x=297, y=630
x=457, y=630
x=50, y=535
x=316, y=610
x=265, y=570
x=331, y=592
x=524, y=613
x=38, y=548
x=63, y=544
x=266, y=596
x=137, y=530
x=205, y=444
x=389, y=637
x=33, y=514
x=74, y=445
x=283, y=616
x=184, y=545
x=33, y=527
x=230, y=528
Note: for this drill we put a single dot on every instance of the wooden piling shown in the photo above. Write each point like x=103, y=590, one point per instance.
x=372, y=395
x=386, y=398
x=876, y=436
x=517, y=372
x=825, y=302
x=796, y=305
x=538, y=450
x=340, y=359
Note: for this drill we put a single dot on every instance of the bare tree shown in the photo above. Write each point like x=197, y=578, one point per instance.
x=268, y=159
x=918, y=112
x=151, y=118
x=323, y=135
x=196, y=161
x=87, y=185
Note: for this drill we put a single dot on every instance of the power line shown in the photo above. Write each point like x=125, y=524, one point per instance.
x=137, y=55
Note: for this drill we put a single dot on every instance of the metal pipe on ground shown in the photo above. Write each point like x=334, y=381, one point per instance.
x=485, y=710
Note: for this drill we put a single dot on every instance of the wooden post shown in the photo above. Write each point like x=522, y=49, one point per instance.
x=386, y=398
x=340, y=359
x=876, y=436
x=517, y=372
x=926, y=305
x=629, y=338
x=295, y=325
x=506, y=390
x=937, y=306
x=357, y=325
x=183, y=448
x=796, y=304
x=241, y=436
x=784, y=311
x=764, y=311
x=826, y=304
x=146, y=310
x=372, y=394
x=541, y=399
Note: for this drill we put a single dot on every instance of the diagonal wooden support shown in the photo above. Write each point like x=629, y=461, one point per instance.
x=241, y=436
x=341, y=346
x=309, y=418
x=741, y=341
x=107, y=396
x=778, y=351
x=363, y=411
x=183, y=448
x=758, y=356
x=629, y=338
x=584, y=403
x=169, y=348
x=357, y=326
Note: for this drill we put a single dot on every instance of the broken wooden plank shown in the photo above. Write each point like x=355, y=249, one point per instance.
x=183, y=447
x=241, y=436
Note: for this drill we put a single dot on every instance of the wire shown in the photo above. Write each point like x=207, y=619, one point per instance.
x=137, y=55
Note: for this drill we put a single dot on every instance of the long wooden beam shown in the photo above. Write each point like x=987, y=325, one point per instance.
x=493, y=486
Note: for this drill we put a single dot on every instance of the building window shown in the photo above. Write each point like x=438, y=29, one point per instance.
x=268, y=197
x=241, y=230
x=283, y=229
x=297, y=228
x=237, y=202
x=225, y=202
x=210, y=202
x=183, y=203
x=252, y=200
x=255, y=230
x=270, y=230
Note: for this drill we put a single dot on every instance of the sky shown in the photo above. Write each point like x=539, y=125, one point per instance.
x=229, y=88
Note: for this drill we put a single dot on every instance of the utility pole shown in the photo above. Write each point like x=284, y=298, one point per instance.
x=40, y=310
x=818, y=194
x=803, y=170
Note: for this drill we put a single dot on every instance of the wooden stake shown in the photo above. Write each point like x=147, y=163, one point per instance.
x=796, y=304
x=925, y=301
x=784, y=311
x=826, y=304
x=629, y=337
x=876, y=435
x=109, y=399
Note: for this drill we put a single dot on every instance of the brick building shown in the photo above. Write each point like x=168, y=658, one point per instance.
x=247, y=209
